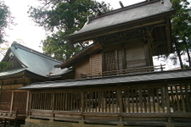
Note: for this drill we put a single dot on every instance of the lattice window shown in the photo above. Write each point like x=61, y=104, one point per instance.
x=110, y=62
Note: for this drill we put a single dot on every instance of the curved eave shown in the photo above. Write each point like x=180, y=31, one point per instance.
x=12, y=73
x=88, y=35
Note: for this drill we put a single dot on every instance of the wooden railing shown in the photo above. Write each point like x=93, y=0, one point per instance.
x=130, y=105
x=126, y=71
x=9, y=114
x=13, y=104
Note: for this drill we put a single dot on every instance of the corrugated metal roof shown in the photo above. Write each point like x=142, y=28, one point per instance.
x=126, y=15
x=166, y=75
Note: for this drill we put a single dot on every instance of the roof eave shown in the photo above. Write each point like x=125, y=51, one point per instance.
x=71, y=61
x=79, y=37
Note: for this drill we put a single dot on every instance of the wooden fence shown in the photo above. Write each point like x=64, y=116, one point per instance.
x=131, y=105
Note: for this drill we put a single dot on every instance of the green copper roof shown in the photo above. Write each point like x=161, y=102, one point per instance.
x=31, y=60
x=11, y=72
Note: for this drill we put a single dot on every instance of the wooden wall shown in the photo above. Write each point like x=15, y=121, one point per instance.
x=96, y=64
x=82, y=67
x=135, y=57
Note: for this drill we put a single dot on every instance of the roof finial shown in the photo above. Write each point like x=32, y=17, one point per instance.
x=121, y=4
x=162, y=1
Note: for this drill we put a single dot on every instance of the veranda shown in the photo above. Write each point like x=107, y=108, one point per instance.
x=160, y=103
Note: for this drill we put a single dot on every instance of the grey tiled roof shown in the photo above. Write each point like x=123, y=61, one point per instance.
x=126, y=15
x=155, y=76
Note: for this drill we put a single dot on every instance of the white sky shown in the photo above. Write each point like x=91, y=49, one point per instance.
x=27, y=31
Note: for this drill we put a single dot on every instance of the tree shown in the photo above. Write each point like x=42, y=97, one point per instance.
x=4, y=65
x=61, y=18
x=5, y=19
x=181, y=29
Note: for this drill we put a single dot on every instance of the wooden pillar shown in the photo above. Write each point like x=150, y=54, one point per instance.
x=15, y=123
x=52, y=105
x=120, y=102
x=27, y=103
x=82, y=105
x=4, y=123
x=167, y=102
x=168, y=35
x=12, y=101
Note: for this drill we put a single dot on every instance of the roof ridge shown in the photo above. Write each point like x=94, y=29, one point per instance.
x=146, y=2
x=17, y=45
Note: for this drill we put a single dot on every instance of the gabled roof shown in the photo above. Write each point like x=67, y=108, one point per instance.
x=147, y=77
x=30, y=60
x=124, y=15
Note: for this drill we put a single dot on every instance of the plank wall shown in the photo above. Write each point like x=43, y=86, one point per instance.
x=82, y=67
x=96, y=64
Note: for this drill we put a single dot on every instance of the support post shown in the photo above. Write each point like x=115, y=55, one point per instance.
x=27, y=103
x=120, y=102
x=82, y=106
x=52, y=104
x=12, y=101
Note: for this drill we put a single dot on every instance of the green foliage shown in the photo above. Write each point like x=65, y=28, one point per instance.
x=55, y=46
x=4, y=65
x=181, y=27
x=5, y=19
x=61, y=18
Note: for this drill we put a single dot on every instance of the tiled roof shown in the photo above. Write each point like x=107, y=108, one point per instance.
x=155, y=76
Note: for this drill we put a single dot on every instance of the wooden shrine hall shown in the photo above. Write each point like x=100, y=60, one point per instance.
x=113, y=81
x=22, y=72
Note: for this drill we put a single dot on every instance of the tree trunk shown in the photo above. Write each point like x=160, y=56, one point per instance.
x=180, y=59
x=189, y=59
x=179, y=56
